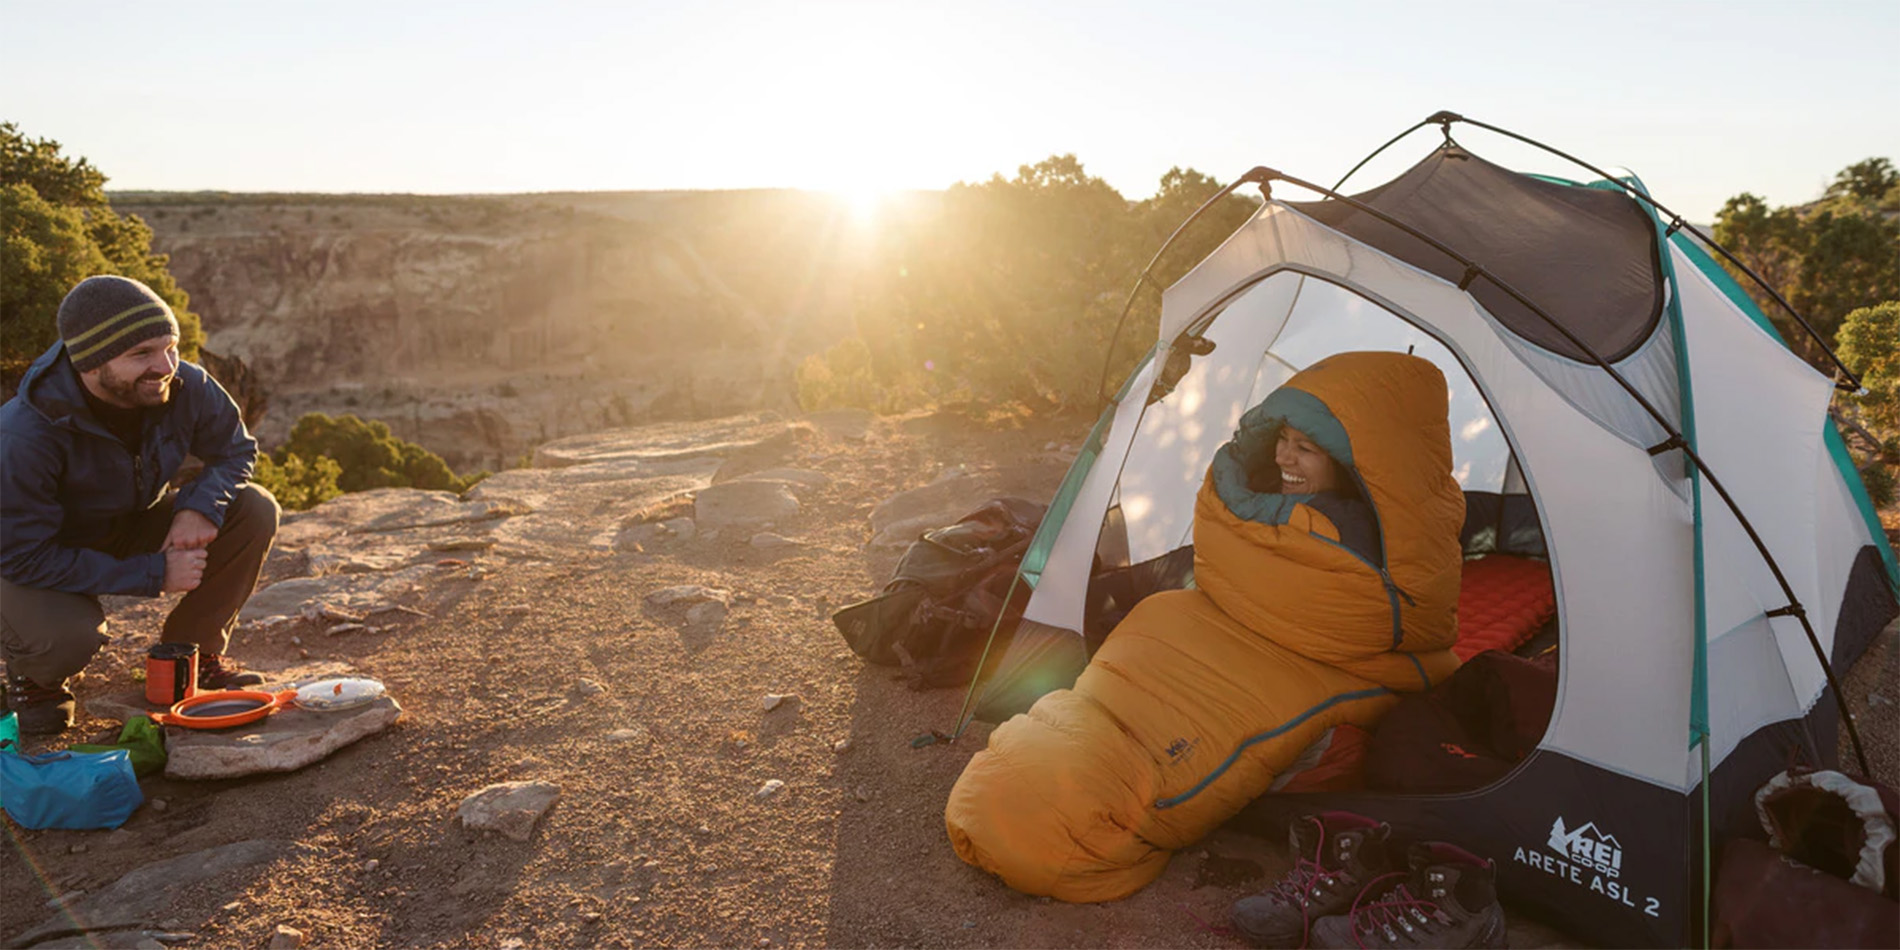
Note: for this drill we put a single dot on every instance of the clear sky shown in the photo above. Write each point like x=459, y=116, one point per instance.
x=1703, y=99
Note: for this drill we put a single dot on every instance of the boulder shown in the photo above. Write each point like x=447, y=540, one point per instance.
x=899, y=519
x=661, y=442
x=508, y=808
x=744, y=502
x=284, y=741
x=356, y=593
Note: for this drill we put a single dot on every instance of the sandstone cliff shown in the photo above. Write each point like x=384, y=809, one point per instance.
x=482, y=326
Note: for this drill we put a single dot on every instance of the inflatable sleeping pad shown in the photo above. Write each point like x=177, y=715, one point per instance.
x=1200, y=696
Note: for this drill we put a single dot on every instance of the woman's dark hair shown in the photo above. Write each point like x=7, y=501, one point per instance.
x=1263, y=473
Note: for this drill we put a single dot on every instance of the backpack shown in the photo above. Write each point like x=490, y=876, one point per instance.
x=934, y=616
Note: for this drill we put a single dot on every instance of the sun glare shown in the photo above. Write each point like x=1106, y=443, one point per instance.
x=862, y=202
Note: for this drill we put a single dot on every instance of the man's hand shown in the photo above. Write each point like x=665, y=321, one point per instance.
x=190, y=531
x=183, y=570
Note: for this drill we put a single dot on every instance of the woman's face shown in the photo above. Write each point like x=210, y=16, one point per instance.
x=1305, y=468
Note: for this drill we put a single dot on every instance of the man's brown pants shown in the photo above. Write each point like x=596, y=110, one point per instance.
x=50, y=635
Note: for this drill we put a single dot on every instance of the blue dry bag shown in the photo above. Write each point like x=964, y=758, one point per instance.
x=78, y=790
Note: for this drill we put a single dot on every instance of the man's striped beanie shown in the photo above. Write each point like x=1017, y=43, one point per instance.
x=102, y=317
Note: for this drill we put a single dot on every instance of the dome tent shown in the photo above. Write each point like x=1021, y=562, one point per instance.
x=1615, y=396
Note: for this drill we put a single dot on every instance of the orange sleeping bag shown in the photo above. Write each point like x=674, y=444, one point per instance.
x=1200, y=696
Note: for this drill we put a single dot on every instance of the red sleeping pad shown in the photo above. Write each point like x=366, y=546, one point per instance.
x=1502, y=602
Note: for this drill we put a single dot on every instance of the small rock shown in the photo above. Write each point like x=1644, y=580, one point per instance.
x=767, y=541
x=861, y=794
x=372, y=864
x=159, y=804
x=462, y=544
x=775, y=700
x=510, y=808
x=303, y=654
x=969, y=925
x=703, y=829
x=286, y=938
x=706, y=618
x=689, y=594
x=78, y=848
x=589, y=688
x=296, y=641
x=234, y=905
x=513, y=943
x=769, y=789
x=628, y=734
x=781, y=600
x=841, y=746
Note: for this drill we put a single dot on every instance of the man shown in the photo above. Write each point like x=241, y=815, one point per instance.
x=88, y=448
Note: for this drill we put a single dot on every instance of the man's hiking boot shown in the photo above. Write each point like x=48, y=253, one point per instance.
x=1335, y=854
x=42, y=710
x=1449, y=898
x=217, y=672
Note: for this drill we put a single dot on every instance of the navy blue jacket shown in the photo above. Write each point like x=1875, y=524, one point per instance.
x=66, y=483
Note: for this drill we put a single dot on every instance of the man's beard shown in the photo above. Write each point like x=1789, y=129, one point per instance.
x=128, y=392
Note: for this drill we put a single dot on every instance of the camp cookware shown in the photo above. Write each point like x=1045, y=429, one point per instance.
x=171, y=673
x=236, y=707
x=224, y=708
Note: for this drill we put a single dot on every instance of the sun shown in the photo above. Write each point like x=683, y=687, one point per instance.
x=862, y=202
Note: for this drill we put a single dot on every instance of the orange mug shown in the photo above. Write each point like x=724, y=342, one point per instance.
x=171, y=673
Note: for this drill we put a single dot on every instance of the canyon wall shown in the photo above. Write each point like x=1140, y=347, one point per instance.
x=480, y=326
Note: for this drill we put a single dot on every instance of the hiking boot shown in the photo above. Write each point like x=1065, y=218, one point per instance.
x=1335, y=854
x=215, y=671
x=1448, y=898
x=42, y=710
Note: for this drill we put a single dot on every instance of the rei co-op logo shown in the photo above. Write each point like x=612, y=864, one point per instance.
x=1587, y=856
x=1587, y=846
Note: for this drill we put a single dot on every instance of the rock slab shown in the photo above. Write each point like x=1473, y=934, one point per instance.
x=150, y=892
x=744, y=503
x=284, y=741
x=509, y=808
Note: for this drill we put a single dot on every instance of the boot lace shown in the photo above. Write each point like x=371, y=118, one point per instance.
x=1394, y=915
x=1305, y=885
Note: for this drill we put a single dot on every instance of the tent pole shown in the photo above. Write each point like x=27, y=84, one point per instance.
x=1253, y=175
x=1473, y=271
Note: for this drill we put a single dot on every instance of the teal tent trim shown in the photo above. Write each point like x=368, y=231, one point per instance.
x=1831, y=434
x=1036, y=556
x=1699, y=681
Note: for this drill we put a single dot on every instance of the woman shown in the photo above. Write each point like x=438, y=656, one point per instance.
x=1326, y=565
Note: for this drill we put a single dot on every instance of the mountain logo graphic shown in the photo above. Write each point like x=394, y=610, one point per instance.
x=1587, y=846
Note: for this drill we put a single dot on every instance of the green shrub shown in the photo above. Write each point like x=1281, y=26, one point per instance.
x=1869, y=343
x=57, y=229
x=369, y=455
x=1008, y=291
x=839, y=378
x=298, y=483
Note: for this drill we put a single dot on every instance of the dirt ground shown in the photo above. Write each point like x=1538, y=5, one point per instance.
x=659, y=837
